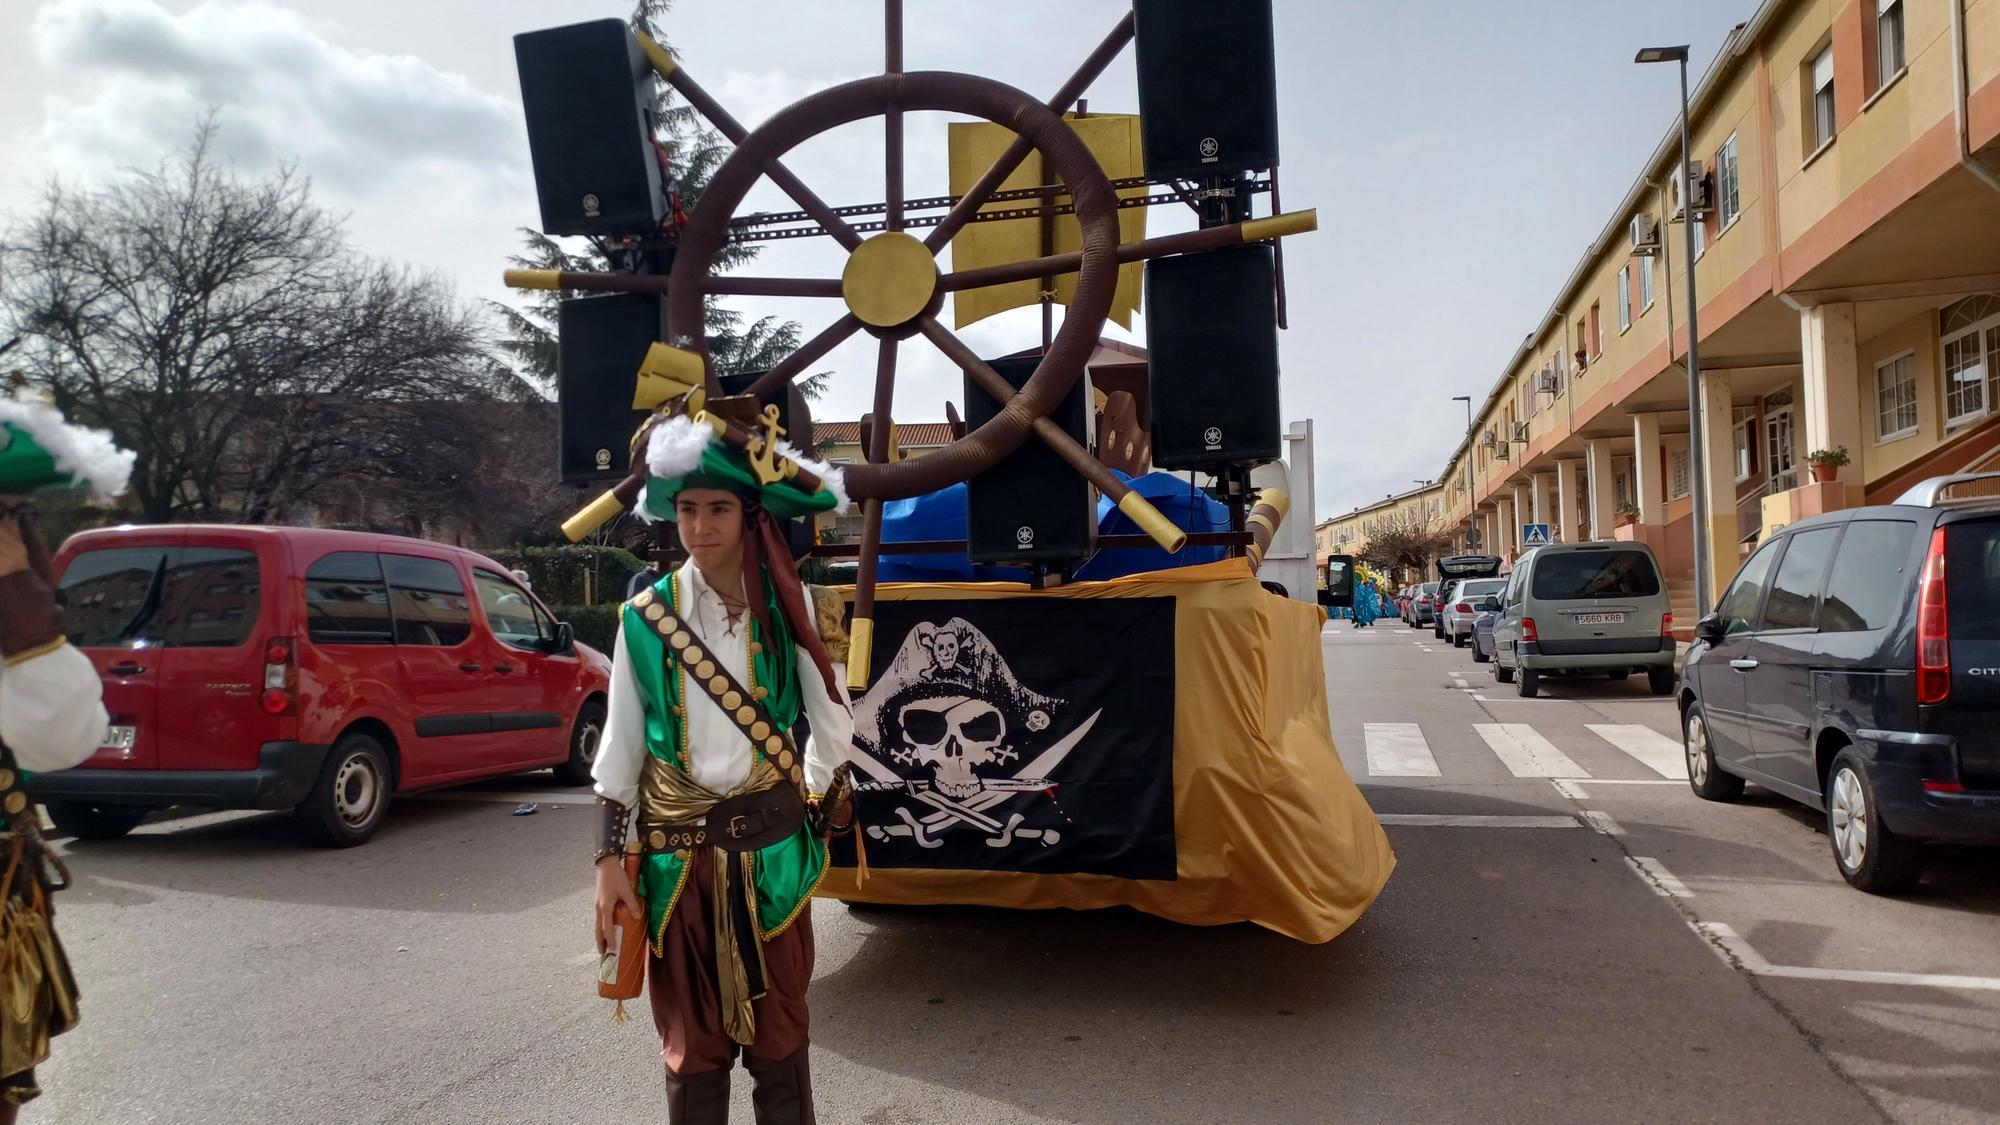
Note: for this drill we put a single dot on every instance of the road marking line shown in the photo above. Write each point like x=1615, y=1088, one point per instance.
x=1567, y=787
x=511, y=797
x=1441, y=820
x=1730, y=946
x=1517, y=699
x=1574, y=787
x=1398, y=750
x=1602, y=822
x=1663, y=882
x=1526, y=753
x=1666, y=757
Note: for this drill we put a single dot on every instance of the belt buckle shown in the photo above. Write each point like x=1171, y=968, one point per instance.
x=738, y=826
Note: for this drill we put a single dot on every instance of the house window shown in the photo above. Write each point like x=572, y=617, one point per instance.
x=1700, y=238
x=1745, y=457
x=1582, y=349
x=1779, y=453
x=1896, y=398
x=1596, y=331
x=1820, y=74
x=1557, y=366
x=1888, y=39
x=1621, y=485
x=1625, y=298
x=1727, y=195
x=1678, y=475
x=1645, y=267
x=1971, y=333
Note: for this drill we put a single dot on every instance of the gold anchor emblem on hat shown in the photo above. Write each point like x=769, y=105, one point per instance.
x=765, y=461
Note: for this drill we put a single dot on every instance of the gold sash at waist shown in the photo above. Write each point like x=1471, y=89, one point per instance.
x=669, y=796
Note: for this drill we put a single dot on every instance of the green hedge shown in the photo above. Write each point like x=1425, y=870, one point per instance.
x=563, y=575
x=595, y=625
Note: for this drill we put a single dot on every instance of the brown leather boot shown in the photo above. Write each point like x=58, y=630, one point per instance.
x=783, y=1091
x=698, y=1099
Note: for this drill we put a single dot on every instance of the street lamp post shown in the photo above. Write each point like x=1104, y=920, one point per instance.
x=1471, y=479
x=1702, y=546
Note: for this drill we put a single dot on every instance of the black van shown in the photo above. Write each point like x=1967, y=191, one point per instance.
x=1853, y=664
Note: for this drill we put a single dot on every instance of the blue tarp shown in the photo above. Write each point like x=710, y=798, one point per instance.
x=941, y=516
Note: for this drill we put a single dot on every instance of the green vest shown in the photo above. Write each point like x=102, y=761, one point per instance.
x=787, y=871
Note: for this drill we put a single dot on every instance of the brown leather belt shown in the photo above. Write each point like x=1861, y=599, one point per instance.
x=747, y=822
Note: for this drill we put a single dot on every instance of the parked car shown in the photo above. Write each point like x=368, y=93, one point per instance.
x=1573, y=607
x=310, y=670
x=1461, y=607
x=1482, y=628
x=1853, y=665
x=1423, y=605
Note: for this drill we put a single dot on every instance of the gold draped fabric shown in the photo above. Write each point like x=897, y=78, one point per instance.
x=37, y=993
x=668, y=796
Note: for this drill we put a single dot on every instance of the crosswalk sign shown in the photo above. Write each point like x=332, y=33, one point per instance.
x=1534, y=535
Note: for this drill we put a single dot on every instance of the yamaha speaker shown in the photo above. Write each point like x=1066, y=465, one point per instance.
x=600, y=343
x=588, y=101
x=1212, y=344
x=1208, y=87
x=1031, y=507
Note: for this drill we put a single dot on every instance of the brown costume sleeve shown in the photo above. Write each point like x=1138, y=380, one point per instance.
x=30, y=621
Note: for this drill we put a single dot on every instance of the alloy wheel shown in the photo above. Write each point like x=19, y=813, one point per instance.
x=1697, y=750
x=1849, y=817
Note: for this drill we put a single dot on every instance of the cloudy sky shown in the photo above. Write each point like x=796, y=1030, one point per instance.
x=1461, y=153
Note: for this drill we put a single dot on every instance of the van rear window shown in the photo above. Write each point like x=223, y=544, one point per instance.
x=1576, y=575
x=1972, y=579
x=170, y=597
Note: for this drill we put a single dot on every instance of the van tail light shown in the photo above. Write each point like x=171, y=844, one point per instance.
x=1462, y=607
x=1666, y=624
x=1528, y=633
x=1933, y=628
x=1944, y=786
x=280, y=676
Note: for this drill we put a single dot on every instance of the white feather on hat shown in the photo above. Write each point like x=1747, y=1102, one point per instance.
x=90, y=456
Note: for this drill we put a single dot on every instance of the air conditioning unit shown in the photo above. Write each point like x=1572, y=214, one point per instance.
x=1500, y=452
x=1702, y=192
x=1645, y=234
x=1520, y=431
x=1545, y=382
x=1490, y=437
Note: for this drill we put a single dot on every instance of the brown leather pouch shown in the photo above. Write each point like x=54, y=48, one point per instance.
x=621, y=973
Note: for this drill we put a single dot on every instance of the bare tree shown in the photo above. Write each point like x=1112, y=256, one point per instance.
x=223, y=330
x=1407, y=544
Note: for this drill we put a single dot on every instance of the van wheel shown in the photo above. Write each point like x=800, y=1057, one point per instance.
x=582, y=745
x=1526, y=682
x=95, y=822
x=1870, y=857
x=1478, y=654
x=1707, y=779
x=1501, y=672
x=351, y=797
x=1660, y=681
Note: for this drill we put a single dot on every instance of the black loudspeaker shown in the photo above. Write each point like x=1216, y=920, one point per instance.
x=1031, y=507
x=1208, y=87
x=587, y=99
x=1212, y=344
x=601, y=341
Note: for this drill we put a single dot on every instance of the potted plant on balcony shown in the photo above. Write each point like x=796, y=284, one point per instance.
x=1826, y=463
x=1628, y=513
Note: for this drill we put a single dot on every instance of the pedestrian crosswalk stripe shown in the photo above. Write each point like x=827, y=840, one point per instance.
x=1525, y=752
x=1398, y=750
x=1656, y=750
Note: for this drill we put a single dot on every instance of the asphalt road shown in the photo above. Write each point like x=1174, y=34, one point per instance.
x=1586, y=943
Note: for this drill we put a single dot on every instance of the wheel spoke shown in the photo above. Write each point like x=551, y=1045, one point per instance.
x=871, y=519
x=892, y=121
x=809, y=353
x=1208, y=238
x=774, y=286
x=962, y=212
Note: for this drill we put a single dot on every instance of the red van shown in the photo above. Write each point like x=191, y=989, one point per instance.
x=316, y=671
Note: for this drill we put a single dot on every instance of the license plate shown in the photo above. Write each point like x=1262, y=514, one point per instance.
x=1600, y=619
x=121, y=739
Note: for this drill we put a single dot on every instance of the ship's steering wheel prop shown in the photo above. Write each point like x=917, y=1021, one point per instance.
x=892, y=286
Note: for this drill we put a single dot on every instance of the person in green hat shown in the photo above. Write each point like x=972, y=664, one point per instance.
x=51, y=717
x=714, y=664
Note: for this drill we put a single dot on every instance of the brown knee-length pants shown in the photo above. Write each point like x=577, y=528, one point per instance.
x=687, y=1005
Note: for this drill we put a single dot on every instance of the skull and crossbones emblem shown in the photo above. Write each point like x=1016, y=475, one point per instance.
x=950, y=726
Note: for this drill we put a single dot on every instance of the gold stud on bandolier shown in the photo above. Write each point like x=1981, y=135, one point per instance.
x=774, y=744
x=668, y=623
x=681, y=639
x=693, y=655
x=717, y=684
x=759, y=730
x=655, y=611
x=705, y=670
x=16, y=801
x=644, y=599
x=6, y=779
x=785, y=760
x=658, y=839
x=731, y=700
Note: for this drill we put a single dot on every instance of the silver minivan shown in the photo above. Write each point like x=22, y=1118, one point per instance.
x=1573, y=607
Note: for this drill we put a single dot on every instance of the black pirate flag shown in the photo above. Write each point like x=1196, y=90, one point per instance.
x=1020, y=735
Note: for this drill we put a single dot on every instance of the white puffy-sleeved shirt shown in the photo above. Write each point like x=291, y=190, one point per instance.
x=52, y=710
x=719, y=753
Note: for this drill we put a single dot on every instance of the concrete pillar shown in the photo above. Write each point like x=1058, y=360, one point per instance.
x=1649, y=489
x=1718, y=460
x=1603, y=492
x=1567, y=500
x=1507, y=543
x=1833, y=397
x=1545, y=500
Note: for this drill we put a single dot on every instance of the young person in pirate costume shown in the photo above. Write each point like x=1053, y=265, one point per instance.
x=696, y=773
x=51, y=717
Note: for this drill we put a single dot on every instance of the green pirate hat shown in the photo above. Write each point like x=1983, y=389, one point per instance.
x=683, y=452
x=39, y=450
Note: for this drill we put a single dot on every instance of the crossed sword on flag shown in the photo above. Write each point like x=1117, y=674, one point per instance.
x=1032, y=778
